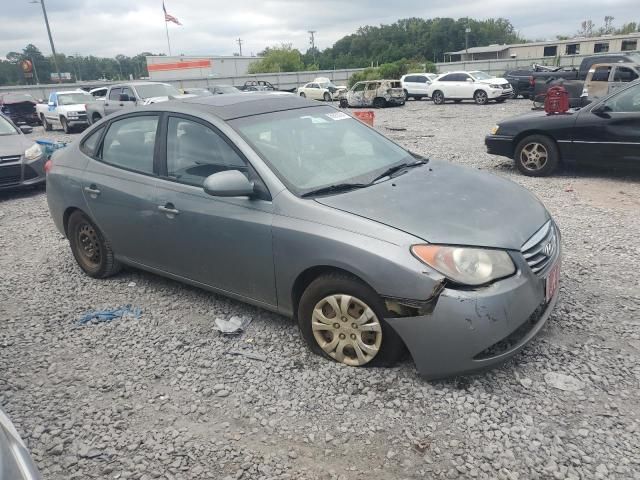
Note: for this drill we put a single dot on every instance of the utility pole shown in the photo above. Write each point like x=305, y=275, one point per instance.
x=467, y=31
x=53, y=48
x=239, y=41
x=312, y=42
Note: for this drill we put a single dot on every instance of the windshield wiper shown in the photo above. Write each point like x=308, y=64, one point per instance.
x=396, y=168
x=340, y=187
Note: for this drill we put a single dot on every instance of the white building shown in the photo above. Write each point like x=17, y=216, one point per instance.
x=163, y=68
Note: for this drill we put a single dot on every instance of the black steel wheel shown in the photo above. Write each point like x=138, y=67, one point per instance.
x=344, y=103
x=379, y=102
x=90, y=248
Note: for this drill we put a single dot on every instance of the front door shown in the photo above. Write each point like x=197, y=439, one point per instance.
x=620, y=77
x=224, y=243
x=612, y=134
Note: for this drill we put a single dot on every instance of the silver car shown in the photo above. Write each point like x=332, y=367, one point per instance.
x=15, y=461
x=21, y=160
x=299, y=208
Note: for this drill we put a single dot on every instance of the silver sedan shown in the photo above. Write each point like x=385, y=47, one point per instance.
x=301, y=209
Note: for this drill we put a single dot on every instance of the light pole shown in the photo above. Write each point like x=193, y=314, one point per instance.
x=53, y=48
x=467, y=31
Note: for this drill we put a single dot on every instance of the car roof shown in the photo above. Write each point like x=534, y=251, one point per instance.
x=238, y=105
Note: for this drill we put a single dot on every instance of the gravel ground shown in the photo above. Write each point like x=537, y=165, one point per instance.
x=163, y=397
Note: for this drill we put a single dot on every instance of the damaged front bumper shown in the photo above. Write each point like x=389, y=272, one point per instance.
x=469, y=330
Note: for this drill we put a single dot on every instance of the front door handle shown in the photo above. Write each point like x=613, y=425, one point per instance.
x=92, y=190
x=169, y=209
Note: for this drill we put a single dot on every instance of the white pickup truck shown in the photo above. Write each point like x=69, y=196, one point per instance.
x=65, y=109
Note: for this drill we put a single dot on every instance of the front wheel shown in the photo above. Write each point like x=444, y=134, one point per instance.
x=481, y=97
x=303, y=95
x=344, y=103
x=327, y=97
x=343, y=319
x=437, y=97
x=90, y=248
x=46, y=124
x=65, y=125
x=537, y=156
x=379, y=102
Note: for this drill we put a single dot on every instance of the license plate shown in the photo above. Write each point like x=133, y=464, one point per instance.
x=553, y=282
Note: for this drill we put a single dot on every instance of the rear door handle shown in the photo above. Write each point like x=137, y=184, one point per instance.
x=92, y=190
x=169, y=209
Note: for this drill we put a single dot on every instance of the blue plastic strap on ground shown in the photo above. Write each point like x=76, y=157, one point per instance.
x=108, y=315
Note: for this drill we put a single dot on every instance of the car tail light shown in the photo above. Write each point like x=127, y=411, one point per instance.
x=48, y=165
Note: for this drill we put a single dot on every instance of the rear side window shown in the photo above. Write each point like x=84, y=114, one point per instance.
x=447, y=78
x=411, y=78
x=90, y=144
x=601, y=74
x=115, y=94
x=624, y=74
x=129, y=143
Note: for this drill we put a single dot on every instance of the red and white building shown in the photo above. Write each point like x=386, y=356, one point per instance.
x=163, y=68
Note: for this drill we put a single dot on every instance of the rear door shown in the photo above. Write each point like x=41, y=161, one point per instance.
x=621, y=76
x=112, y=101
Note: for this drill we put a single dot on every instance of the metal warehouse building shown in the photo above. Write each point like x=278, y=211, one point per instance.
x=163, y=68
x=555, y=48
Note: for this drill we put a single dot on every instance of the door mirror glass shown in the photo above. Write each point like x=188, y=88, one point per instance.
x=124, y=97
x=469, y=79
x=26, y=129
x=230, y=183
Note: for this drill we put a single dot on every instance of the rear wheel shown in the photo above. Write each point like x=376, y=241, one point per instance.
x=406, y=95
x=343, y=319
x=437, y=97
x=327, y=97
x=90, y=248
x=379, y=102
x=303, y=95
x=481, y=97
x=537, y=156
x=96, y=117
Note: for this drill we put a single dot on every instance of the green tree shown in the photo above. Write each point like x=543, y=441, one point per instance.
x=284, y=58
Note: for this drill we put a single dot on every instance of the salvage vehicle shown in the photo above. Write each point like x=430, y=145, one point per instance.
x=223, y=89
x=374, y=93
x=21, y=160
x=415, y=84
x=605, y=132
x=477, y=86
x=15, y=461
x=604, y=78
x=66, y=109
x=20, y=108
x=301, y=209
x=130, y=95
x=314, y=91
x=257, y=86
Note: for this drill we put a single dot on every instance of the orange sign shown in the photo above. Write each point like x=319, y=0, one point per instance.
x=182, y=65
x=366, y=116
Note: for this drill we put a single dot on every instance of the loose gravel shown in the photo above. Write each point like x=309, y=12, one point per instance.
x=166, y=396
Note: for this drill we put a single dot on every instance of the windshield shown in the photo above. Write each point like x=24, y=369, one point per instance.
x=317, y=147
x=74, y=98
x=480, y=75
x=326, y=84
x=156, y=90
x=6, y=128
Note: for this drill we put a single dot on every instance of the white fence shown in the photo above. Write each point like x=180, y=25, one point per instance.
x=283, y=81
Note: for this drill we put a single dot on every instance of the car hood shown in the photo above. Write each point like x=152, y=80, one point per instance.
x=449, y=204
x=13, y=144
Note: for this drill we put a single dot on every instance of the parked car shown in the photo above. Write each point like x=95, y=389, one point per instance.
x=415, y=84
x=605, y=132
x=336, y=90
x=299, y=208
x=374, y=93
x=99, y=93
x=223, y=89
x=15, y=461
x=201, y=92
x=130, y=95
x=314, y=91
x=573, y=79
x=20, y=108
x=66, y=109
x=257, y=86
x=21, y=160
x=478, y=86
x=604, y=78
x=520, y=81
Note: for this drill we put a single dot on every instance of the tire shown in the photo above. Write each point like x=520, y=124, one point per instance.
x=481, y=97
x=65, y=125
x=537, y=156
x=379, y=102
x=303, y=95
x=90, y=248
x=344, y=103
x=46, y=124
x=326, y=97
x=437, y=97
x=95, y=118
x=515, y=92
x=383, y=345
x=406, y=95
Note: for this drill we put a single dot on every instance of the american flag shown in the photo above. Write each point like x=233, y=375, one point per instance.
x=169, y=18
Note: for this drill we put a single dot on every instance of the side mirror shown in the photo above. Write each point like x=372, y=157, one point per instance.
x=51, y=104
x=26, y=129
x=469, y=79
x=124, y=97
x=230, y=183
x=600, y=110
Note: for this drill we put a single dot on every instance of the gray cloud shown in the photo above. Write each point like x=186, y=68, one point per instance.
x=106, y=28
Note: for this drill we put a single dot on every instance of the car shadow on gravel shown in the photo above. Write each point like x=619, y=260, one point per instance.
x=15, y=194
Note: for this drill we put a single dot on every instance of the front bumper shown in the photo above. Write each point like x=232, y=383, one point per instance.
x=22, y=173
x=471, y=330
x=497, y=93
x=499, y=145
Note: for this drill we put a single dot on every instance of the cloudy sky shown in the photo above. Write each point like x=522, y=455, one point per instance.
x=109, y=27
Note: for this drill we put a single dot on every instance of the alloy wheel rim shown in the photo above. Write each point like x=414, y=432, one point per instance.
x=89, y=244
x=481, y=97
x=534, y=156
x=438, y=97
x=346, y=329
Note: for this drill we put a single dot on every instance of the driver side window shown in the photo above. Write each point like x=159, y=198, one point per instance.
x=627, y=101
x=195, y=151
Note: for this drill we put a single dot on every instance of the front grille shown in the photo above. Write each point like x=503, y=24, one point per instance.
x=10, y=158
x=542, y=248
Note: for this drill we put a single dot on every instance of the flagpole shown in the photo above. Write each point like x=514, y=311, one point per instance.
x=166, y=27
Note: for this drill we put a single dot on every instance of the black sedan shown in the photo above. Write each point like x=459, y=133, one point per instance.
x=606, y=132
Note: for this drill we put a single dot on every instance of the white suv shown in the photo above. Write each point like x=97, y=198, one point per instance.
x=478, y=86
x=415, y=84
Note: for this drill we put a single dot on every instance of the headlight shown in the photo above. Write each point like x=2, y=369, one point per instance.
x=33, y=152
x=495, y=129
x=469, y=266
x=496, y=86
